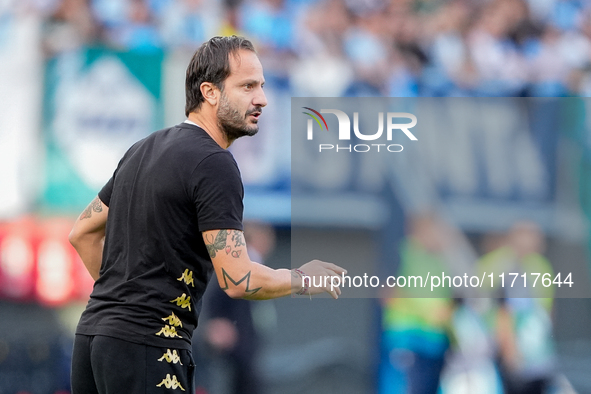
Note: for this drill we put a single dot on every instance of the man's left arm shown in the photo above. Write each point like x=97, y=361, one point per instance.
x=88, y=236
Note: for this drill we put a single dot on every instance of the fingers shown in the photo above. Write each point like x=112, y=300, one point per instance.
x=334, y=292
x=335, y=268
x=334, y=271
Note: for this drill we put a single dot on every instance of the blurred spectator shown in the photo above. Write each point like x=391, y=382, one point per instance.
x=451, y=69
x=549, y=67
x=415, y=337
x=470, y=365
x=110, y=14
x=231, y=23
x=139, y=32
x=496, y=58
x=69, y=27
x=269, y=23
x=128, y=24
x=230, y=330
x=522, y=324
x=322, y=69
x=367, y=53
x=184, y=24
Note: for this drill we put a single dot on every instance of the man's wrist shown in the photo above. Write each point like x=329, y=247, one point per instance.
x=302, y=285
x=296, y=281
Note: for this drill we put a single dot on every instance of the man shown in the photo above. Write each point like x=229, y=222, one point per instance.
x=169, y=216
x=416, y=329
x=521, y=316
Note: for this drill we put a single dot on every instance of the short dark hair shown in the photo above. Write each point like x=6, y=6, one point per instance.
x=211, y=63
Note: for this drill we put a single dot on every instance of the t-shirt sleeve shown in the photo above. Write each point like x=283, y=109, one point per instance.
x=105, y=193
x=218, y=192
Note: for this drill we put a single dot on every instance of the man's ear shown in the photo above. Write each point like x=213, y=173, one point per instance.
x=210, y=93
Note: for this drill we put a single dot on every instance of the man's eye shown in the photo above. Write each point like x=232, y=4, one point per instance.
x=248, y=86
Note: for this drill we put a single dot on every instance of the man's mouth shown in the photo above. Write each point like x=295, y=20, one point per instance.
x=255, y=114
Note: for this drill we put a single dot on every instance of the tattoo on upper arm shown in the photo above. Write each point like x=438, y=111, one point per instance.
x=95, y=206
x=215, y=245
x=220, y=243
x=238, y=238
x=246, y=277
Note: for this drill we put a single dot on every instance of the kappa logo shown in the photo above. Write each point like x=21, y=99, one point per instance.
x=170, y=383
x=187, y=277
x=168, y=332
x=183, y=301
x=344, y=132
x=173, y=320
x=171, y=357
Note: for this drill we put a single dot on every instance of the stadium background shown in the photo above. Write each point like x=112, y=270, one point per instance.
x=80, y=80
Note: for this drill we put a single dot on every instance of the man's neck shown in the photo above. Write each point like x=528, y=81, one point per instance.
x=211, y=127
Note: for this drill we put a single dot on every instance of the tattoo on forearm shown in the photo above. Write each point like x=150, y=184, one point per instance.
x=238, y=238
x=246, y=277
x=95, y=206
x=215, y=245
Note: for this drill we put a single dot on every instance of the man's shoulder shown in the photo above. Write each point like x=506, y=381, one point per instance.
x=181, y=138
x=186, y=144
x=190, y=136
x=192, y=145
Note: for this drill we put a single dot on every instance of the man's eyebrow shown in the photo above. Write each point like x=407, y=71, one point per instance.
x=251, y=81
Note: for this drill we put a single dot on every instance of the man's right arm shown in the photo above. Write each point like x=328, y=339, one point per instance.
x=239, y=277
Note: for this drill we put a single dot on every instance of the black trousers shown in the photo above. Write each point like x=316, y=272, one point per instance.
x=105, y=365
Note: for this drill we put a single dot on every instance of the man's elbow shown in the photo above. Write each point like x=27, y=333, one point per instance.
x=235, y=293
x=74, y=237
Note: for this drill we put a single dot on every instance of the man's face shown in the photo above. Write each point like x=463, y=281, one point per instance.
x=242, y=99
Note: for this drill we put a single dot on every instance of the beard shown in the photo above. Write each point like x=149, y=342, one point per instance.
x=234, y=124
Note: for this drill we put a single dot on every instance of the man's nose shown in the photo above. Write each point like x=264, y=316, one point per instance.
x=260, y=99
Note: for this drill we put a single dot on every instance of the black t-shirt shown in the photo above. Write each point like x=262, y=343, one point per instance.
x=166, y=190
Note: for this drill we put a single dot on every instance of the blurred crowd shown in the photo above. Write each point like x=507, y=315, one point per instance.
x=351, y=48
x=455, y=344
